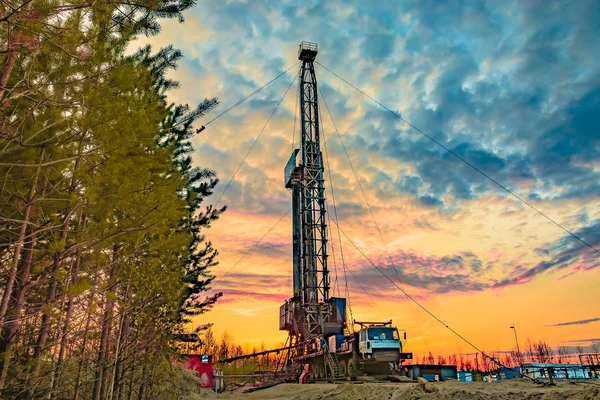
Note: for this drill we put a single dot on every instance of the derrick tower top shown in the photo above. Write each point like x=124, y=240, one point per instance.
x=308, y=51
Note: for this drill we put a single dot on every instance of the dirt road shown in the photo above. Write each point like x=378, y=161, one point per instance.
x=500, y=390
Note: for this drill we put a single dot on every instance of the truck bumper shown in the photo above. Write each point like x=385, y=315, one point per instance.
x=389, y=356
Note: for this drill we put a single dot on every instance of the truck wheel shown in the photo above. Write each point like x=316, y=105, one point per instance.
x=352, y=368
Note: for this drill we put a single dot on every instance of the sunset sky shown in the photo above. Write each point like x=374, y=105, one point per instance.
x=512, y=87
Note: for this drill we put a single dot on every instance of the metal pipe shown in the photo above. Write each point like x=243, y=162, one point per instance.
x=260, y=353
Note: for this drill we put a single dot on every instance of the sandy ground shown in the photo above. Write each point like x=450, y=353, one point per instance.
x=510, y=389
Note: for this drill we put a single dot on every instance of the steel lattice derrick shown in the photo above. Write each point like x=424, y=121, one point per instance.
x=315, y=276
x=314, y=225
x=310, y=316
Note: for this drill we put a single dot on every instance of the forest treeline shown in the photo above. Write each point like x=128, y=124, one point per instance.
x=539, y=351
x=103, y=254
x=533, y=352
x=225, y=346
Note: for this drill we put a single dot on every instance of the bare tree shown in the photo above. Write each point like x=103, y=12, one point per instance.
x=452, y=359
x=543, y=352
x=529, y=350
x=563, y=355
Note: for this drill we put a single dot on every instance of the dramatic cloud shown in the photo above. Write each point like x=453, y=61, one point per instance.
x=463, y=272
x=593, y=340
x=439, y=275
x=567, y=253
x=469, y=75
x=512, y=87
x=580, y=322
x=232, y=295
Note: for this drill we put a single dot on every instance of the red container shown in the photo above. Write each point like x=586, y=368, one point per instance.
x=203, y=366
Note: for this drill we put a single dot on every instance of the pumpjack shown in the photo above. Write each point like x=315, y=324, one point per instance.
x=319, y=331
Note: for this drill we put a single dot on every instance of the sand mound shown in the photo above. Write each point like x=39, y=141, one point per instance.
x=502, y=390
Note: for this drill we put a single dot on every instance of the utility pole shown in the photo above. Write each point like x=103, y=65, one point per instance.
x=519, y=358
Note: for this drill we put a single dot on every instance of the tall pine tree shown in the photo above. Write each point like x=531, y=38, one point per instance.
x=103, y=253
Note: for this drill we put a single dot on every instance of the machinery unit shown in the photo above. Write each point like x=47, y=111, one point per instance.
x=319, y=334
x=379, y=342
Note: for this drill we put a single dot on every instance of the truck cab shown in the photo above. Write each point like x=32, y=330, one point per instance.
x=380, y=342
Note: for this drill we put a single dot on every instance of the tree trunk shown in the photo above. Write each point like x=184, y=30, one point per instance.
x=11, y=57
x=123, y=332
x=103, y=352
x=68, y=314
x=10, y=328
x=20, y=243
x=130, y=388
x=143, y=380
x=47, y=308
x=58, y=257
x=59, y=324
x=119, y=368
x=83, y=362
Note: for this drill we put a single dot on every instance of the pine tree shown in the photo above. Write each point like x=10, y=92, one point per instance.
x=103, y=253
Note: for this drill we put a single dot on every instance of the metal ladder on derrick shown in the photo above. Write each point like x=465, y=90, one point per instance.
x=334, y=365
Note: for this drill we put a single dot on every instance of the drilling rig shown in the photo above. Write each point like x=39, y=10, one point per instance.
x=319, y=332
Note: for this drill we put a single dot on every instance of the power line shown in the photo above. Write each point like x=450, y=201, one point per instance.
x=340, y=238
x=361, y=286
x=404, y=292
x=426, y=310
x=252, y=248
x=358, y=181
x=255, y=140
x=251, y=94
x=295, y=114
x=368, y=206
x=347, y=291
x=465, y=161
x=336, y=284
x=290, y=271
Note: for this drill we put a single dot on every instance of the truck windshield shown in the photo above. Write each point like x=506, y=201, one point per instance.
x=383, y=334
